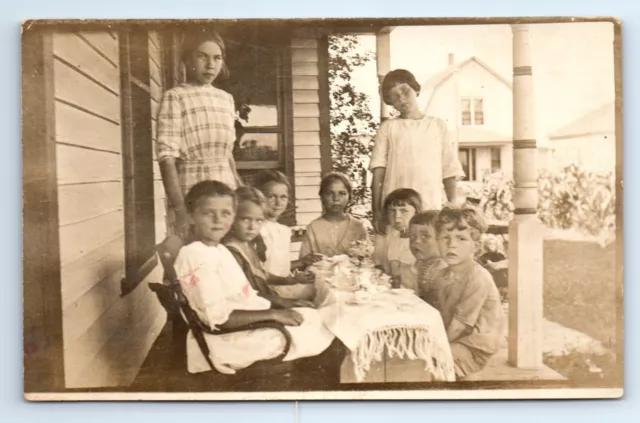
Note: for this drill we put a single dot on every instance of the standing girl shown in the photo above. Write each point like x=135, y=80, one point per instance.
x=413, y=151
x=335, y=231
x=196, y=125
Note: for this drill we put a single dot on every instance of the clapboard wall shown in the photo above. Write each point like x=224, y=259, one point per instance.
x=105, y=336
x=305, y=72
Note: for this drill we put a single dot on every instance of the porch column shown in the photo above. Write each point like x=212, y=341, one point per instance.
x=525, y=230
x=383, y=61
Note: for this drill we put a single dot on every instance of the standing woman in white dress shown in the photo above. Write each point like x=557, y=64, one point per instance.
x=196, y=125
x=411, y=151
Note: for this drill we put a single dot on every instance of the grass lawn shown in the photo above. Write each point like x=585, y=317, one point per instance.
x=579, y=288
x=580, y=293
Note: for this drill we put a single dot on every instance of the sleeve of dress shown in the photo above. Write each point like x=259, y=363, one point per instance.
x=451, y=167
x=305, y=248
x=379, y=156
x=202, y=286
x=169, y=127
x=232, y=108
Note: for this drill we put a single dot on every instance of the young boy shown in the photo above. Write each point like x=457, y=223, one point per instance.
x=467, y=297
x=424, y=247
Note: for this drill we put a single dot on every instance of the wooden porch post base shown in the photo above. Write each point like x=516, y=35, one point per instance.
x=525, y=292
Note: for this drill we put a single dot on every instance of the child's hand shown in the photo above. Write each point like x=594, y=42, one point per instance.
x=303, y=304
x=310, y=259
x=304, y=277
x=288, y=317
x=395, y=282
x=379, y=224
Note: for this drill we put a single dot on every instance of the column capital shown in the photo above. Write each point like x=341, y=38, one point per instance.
x=520, y=27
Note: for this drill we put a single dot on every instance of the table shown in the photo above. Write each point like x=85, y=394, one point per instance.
x=392, y=335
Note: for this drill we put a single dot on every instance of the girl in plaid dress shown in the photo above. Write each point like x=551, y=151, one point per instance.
x=196, y=126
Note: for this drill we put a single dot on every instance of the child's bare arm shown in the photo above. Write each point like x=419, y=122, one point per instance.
x=239, y=318
x=376, y=197
x=455, y=330
x=171, y=184
x=450, y=188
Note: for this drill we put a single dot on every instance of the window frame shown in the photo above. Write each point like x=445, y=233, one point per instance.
x=137, y=160
x=499, y=159
x=470, y=170
x=279, y=129
x=472, y=111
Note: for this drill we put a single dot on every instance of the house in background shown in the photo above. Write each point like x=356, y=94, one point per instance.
x=589, y=140
x=477, y=104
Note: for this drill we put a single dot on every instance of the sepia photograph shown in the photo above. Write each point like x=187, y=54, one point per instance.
x=310, y=209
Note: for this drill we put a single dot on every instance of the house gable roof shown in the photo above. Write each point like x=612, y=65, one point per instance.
x=600, y=121
x=440, y=78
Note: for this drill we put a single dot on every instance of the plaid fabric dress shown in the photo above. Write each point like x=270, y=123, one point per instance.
x=196, y=127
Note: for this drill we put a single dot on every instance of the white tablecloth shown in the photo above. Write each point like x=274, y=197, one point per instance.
x=398, y=322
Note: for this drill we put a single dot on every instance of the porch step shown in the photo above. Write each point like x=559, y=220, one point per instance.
x=499, y=369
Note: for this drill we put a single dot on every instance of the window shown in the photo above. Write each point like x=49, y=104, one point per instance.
x=257, y=86
x=467, y=157
x=496, y=164
x=137, y=158
x=260, y=83
x=472, y=111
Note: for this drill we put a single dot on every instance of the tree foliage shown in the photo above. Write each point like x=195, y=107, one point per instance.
x=352, y=124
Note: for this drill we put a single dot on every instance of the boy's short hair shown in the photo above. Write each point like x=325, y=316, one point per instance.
x=395, y=78
x=332, y=177
x=207, y=189
x=426, y=218
x=264, y=177
x=464, y=217
x=403, y=196
x=251, y=194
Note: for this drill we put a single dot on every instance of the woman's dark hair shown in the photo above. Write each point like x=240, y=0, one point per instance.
x=332, y=177
x=194, y=39
x=207, y=189
x=403, y=196
x=264, y=177
x=395, y=78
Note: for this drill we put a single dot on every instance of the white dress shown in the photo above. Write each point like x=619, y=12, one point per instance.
x=417, y=154
x=215, y=286
x=277, y=238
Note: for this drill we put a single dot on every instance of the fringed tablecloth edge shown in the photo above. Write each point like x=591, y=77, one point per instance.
x=412, y=342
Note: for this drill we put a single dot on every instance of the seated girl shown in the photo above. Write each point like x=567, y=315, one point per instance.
x=220, y=294
x=399, y=207
x=287, y=291
x=277, y=237
x=496, y=263
x=335, y=231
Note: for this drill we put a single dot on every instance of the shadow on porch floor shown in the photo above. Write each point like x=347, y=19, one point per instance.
x=165, y=371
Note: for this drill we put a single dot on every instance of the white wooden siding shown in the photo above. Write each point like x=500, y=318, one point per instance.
x=306, y=127
x=106, y=336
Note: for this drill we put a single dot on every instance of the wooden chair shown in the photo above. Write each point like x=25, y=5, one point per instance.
x=183, y=318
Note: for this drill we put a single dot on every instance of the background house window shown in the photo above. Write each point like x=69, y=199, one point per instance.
x=472, y=111
x=467, y=157
x=137, y=157
x=496, y=163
